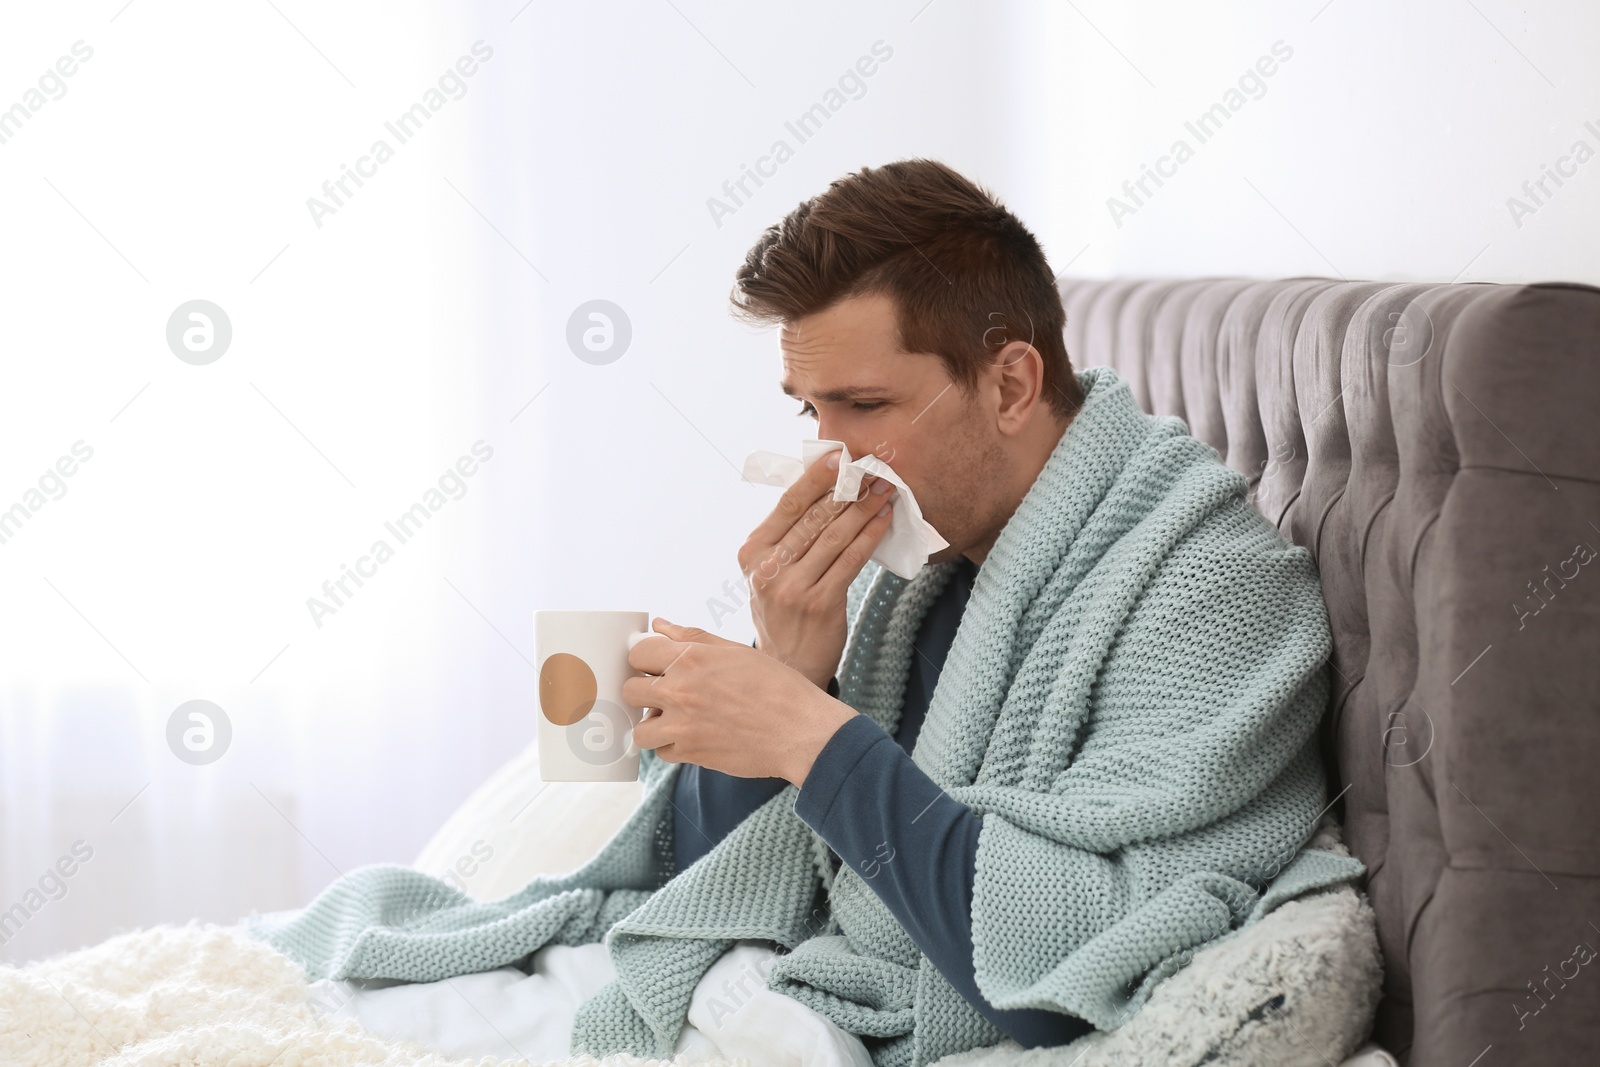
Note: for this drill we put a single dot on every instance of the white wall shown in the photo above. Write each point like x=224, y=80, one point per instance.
x=370, y=352
x=1387, y=146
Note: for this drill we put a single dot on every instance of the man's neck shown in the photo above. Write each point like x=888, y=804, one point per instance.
x=1040, y=451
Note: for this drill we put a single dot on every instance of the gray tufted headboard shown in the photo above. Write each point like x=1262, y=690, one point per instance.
x=1437, y=448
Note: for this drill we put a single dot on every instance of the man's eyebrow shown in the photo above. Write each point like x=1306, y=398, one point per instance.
x=847, y=392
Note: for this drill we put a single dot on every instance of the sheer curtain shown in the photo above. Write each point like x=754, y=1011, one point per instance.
x=400, y=368
x=215, y=488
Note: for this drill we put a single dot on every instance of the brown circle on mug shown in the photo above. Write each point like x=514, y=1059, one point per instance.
x=567, y=688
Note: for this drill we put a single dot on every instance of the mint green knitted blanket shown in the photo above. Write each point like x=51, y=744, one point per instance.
x=1130, y=703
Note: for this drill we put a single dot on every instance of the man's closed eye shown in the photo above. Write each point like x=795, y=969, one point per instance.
x=859, y=405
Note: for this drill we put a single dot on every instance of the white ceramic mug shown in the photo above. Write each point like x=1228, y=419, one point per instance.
x=585, y=727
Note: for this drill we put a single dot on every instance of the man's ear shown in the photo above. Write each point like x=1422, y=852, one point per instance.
x=1019, y=377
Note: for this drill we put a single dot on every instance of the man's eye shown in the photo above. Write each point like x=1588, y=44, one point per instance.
x=859, y=405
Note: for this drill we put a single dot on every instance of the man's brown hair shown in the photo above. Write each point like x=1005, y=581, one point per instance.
x=966, y=276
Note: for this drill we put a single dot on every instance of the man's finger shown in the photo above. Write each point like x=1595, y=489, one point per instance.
x=692, y=634
x=814, y=487
x=651, y=732
x=818, y=556
x=842, y=571
x=656, y=656
x=838, y=520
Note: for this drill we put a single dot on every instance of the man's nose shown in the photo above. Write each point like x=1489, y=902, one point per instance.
x=831, y=432
x=831, y=429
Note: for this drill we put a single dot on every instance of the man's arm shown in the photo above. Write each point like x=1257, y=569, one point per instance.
x=718, y=700
x=918, y=849
x=708, y=804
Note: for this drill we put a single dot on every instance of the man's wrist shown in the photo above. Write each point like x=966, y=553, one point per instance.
x=820, y=720
x=827, y=683
x=824, y=682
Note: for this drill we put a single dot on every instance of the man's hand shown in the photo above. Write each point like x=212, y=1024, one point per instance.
x=727, y=706
x=800, y=562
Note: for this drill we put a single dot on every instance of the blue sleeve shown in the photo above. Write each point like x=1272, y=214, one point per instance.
x=708, y=804
x=917, y=848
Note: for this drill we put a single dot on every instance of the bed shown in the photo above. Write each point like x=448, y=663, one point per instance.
x=1433, y=446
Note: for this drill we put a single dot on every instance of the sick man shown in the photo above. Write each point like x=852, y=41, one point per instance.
x=1002, y=798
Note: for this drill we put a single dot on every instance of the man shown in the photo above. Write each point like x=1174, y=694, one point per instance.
x=969, y=434
x=1003, y=798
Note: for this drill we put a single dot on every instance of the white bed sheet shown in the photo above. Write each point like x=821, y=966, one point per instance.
x=507, y=1013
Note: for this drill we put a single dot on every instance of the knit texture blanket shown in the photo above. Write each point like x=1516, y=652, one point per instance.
x=1130, y=703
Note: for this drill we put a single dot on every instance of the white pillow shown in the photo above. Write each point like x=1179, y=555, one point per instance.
x=515, y=826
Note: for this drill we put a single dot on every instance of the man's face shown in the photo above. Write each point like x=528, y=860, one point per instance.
x=845, y=364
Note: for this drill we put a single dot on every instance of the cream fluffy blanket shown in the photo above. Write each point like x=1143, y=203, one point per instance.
x=206, y=996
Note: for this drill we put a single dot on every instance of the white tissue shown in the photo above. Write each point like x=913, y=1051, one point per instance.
x=910, y=540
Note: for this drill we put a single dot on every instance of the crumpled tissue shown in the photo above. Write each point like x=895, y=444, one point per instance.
x=910, y=540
